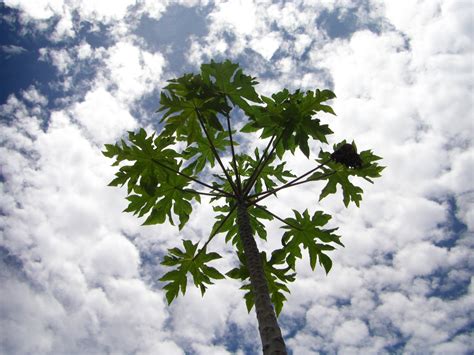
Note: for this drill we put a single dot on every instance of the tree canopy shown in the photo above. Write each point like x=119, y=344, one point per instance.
x=166, y=173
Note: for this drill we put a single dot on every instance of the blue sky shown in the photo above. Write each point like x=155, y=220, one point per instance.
x=79, y=276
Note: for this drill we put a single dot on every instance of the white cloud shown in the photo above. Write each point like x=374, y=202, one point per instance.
x=266, y=45
x=112, y=257
x=104, y=11
x=420, y=259
x=64, y=28
x=12, y=49
x=84, y=51
x=289, y=16
x=82, y=286
x=38, y=10
x=246, y=21
x=154, y=9
x=421, y=319
x=34, y=96
x=252, y=25
x=88, y=9
x=352, y=332
x=26, y=318
x=82, y=290
x=73, y=15
x=302, y=42
x=236, y=15
x=60, y=58
x=435, y=20
x=216, y=350
x=103, y=116
x=133, y=71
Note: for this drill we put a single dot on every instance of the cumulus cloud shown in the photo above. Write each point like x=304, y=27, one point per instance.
x=80, y=276
x=100, y=106
x=393, y=90
x=133, y=71
x=60, y=58
x=90, y=10
x=33, y=96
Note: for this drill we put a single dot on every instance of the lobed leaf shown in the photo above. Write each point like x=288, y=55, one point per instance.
x=231, y=82
x=230, y=227
x=277, y=278
x=188, y=261
x=153, y=190
x=202, y=153
x=336, y=173
x=269, y=175
x=303, y=231
x=290, y=115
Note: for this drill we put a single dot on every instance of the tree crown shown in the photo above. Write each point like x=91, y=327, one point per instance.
x=163, y=170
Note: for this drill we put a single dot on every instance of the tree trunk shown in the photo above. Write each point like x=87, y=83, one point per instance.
x=270, y=333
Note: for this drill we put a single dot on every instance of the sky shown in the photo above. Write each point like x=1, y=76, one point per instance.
x=78, y=276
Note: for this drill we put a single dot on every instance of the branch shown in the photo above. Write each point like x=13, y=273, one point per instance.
x=292, y=183
x=250, y=180
x=274, y=215
x=202, y=193
x=213, y=234
x=261, y=164
x=289, y=183
x=191, y=178
x=304, y=182
x=214, y=151
x=234, y=161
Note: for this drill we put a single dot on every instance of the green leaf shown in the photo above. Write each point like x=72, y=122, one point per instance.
x=195, y=107
x=157, y=216
x=187, y=100
x=230, y=81
x=212, y=273
x=202, y=152
x=235, y=273
x=230, y=227
x=155, y=189
x=325, y=261
x=277, y=278
x=172, y=291
x=278, y=299
x=338, y=174
x=291, y=116
x=249, y=300
x=188, y=261
x=305, y=232
x=269, y=176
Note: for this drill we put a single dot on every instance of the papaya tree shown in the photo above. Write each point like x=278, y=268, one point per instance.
x=205, y=120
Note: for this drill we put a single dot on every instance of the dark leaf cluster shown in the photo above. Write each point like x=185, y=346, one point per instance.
x=338, y=173
x=270, y=175
x=277, y=279
x=230, y=227
x=347, y=155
